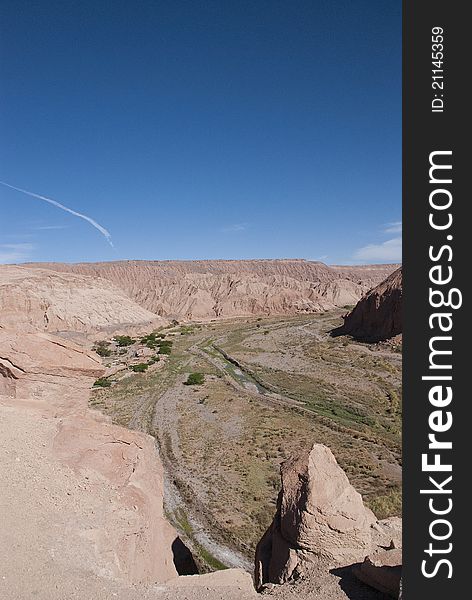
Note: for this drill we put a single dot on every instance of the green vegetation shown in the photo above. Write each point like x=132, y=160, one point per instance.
x=201, y=554
x=140, y=367
x=165, y=346
x=123, y=340
x=195, y=379
x=152, y=340
x=102, y=349
x=188, y=329
x=387, y=504
x=102, y=382
x=210, y=560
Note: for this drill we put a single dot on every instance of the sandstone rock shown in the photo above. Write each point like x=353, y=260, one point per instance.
x=96, y=489
x=382, y=571
x=378, y=315
x=319, y=516
x=227, y=288
x=42, y=366
x=388, y=532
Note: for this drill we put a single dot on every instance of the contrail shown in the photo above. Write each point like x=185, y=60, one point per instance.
x=101, y=229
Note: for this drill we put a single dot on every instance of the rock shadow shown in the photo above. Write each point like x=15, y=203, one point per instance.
x=184, y=562
x=355, y=589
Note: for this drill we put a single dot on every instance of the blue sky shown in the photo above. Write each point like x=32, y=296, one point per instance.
x=193, y=130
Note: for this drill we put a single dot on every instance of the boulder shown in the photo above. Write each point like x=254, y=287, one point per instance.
x=320, y=516
x=382, y=571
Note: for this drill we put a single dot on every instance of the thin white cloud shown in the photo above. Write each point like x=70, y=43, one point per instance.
x=13, y=253
x=49, y=227
x=388, y=251
x=320, y=258
x=235, y=227
x=395, y=227
x=92, y=222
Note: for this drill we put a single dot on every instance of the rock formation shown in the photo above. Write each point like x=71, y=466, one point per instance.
x=229, y=288
x=319, y=515
x=320, y=522
x=41, y=299
x=378, y=315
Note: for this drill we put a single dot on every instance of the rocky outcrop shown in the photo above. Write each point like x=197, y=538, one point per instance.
x=228, y=288
x=320, y=516
x=41, y=299
x=382, y=571
x=44, y=367
x=50, y=378
x=322, y=531
x=378, y=315
x=84, y=497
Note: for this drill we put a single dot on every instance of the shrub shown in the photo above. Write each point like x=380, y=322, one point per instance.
x=195, y=379
x=151, y=340
x=123, y=340
x=103, y=351
x=102, y=382
x=139, y=368
x=101, y=348
x=165, y=347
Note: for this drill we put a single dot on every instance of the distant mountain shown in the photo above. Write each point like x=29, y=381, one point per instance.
x=231, y=288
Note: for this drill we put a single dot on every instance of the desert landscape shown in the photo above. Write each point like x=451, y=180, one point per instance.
x=201, y=429
x=200, y=300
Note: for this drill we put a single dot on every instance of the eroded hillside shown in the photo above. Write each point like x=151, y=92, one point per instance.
x=229, y=288
x=43, y=299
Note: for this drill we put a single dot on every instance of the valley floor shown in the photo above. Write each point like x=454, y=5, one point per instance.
x=272, y=387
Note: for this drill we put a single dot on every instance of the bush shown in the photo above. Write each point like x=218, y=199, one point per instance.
x=101, y=348
x=123, y=340
x=195, y=379
x=139, y=368
x=165, y=347
x=103, y=351
x=150, y=340
x=102, y=382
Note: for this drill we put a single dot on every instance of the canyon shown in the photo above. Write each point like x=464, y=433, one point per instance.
x=232, y=288
x=124, y=492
